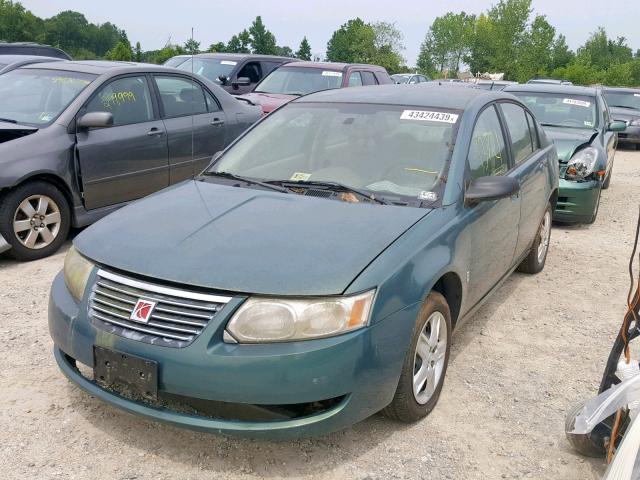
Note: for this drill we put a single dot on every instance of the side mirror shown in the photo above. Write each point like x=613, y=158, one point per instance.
x=95, y=120
x=617, y=126
x=485, y=189
x=241, y=82
x=223, y=79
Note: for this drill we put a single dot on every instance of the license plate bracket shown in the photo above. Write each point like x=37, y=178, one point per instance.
x=112, y=369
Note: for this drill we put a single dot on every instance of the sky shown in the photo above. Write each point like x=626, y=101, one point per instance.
x=153, y=23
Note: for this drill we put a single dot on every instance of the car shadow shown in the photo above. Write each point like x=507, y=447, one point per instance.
x=216, y=453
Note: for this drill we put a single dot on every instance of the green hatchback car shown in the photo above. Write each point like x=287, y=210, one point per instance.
x=578, y=121
x=314, y=274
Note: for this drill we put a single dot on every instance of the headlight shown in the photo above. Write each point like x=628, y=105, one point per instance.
x=582, y=164
x=264, y=320
x=635, y=123
x=76, y=273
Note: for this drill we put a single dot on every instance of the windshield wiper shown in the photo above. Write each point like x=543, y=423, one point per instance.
x=247, y=180
x=8, y=120
x=625, y=106
x=336, y=186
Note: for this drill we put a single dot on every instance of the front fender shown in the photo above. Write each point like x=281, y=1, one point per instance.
x=407, y=270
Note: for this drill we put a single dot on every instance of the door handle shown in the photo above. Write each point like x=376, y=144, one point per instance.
x=155, y=132
x=217, y=122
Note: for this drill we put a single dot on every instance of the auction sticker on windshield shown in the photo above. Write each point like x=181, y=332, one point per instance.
x=580, y=103
x=429, y=116
x=329, y=73
x=228, y=62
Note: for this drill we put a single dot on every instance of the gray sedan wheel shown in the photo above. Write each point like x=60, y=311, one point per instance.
x=34, y=220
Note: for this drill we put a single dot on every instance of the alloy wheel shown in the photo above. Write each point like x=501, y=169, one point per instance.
x=36, y=222
x=543, y=235
x=429, y=357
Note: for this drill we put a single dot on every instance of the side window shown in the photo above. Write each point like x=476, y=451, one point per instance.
x=518, y=130
x=268, y=67
x=252, y=71
x=355, y=80
x=128, y=99
x=368, y=78
x=534, y=131
x=414, y=79
x=212, y=104
x=180, y=96
x=487, y=152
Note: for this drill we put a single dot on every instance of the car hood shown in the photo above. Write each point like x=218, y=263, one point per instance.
x=567, y=140
x=625, y=114
x=11, y=131
x=246, y=240
x=269, y=101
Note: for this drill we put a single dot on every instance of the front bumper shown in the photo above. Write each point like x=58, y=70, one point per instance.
x=4, y=245
x=361, y=368
x=630, y=135
x=577, y=201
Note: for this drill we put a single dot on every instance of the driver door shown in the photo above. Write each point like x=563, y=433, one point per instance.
x=493, y=225
x=130, y=159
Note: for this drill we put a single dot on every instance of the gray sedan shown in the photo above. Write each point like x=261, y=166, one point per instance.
x=81, y=139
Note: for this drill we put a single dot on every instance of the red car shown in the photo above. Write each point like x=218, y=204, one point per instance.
x=300, y=78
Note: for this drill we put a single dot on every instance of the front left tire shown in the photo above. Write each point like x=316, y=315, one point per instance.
x=35, y=220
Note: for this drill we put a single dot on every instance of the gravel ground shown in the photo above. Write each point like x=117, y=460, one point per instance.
x=534, y=349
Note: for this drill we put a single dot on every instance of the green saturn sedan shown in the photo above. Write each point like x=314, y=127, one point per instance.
x=313, y=274
x=578, y=121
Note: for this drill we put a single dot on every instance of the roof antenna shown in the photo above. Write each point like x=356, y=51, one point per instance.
x=193, y=96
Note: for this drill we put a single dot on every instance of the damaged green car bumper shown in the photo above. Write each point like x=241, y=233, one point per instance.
x=577, y=201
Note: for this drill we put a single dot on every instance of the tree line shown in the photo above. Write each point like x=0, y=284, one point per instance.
x=509, y=37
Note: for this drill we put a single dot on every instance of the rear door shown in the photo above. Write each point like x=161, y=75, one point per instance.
x=194, y=122
x=530, y=167
x=493, y=225
x=128, y=160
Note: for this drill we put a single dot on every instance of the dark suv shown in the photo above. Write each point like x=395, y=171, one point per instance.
x=301, y=78
x=237, y=73
x=28, y=48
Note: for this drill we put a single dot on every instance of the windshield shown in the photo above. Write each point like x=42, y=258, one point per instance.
x=623, y=99
x=211, y=68
x=38, y=96
x=401, y=78
x=560, y=110
x=386, y=150
x=174, y=61
x=299, y=81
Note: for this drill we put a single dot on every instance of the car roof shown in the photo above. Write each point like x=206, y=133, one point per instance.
x=100, y=67
x=419, y=95
x=9, y=59
x=552, y=88
x=332, y=65
x=239, y=56
x=620, y=89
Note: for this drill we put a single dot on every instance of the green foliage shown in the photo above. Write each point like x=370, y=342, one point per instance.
x=353, y=42
x=161, y=56
x=219, y=47
x=122, y=52
x=262, y=40
x=18, y=24
x=447, y=42
x=304, y=51
x=192, y=47
x=602, y=51
x=284, y=51
x=137, y=53
x=359, y=42
x=239, y=43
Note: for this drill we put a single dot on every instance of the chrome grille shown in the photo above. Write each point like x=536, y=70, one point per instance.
x=176, y=317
